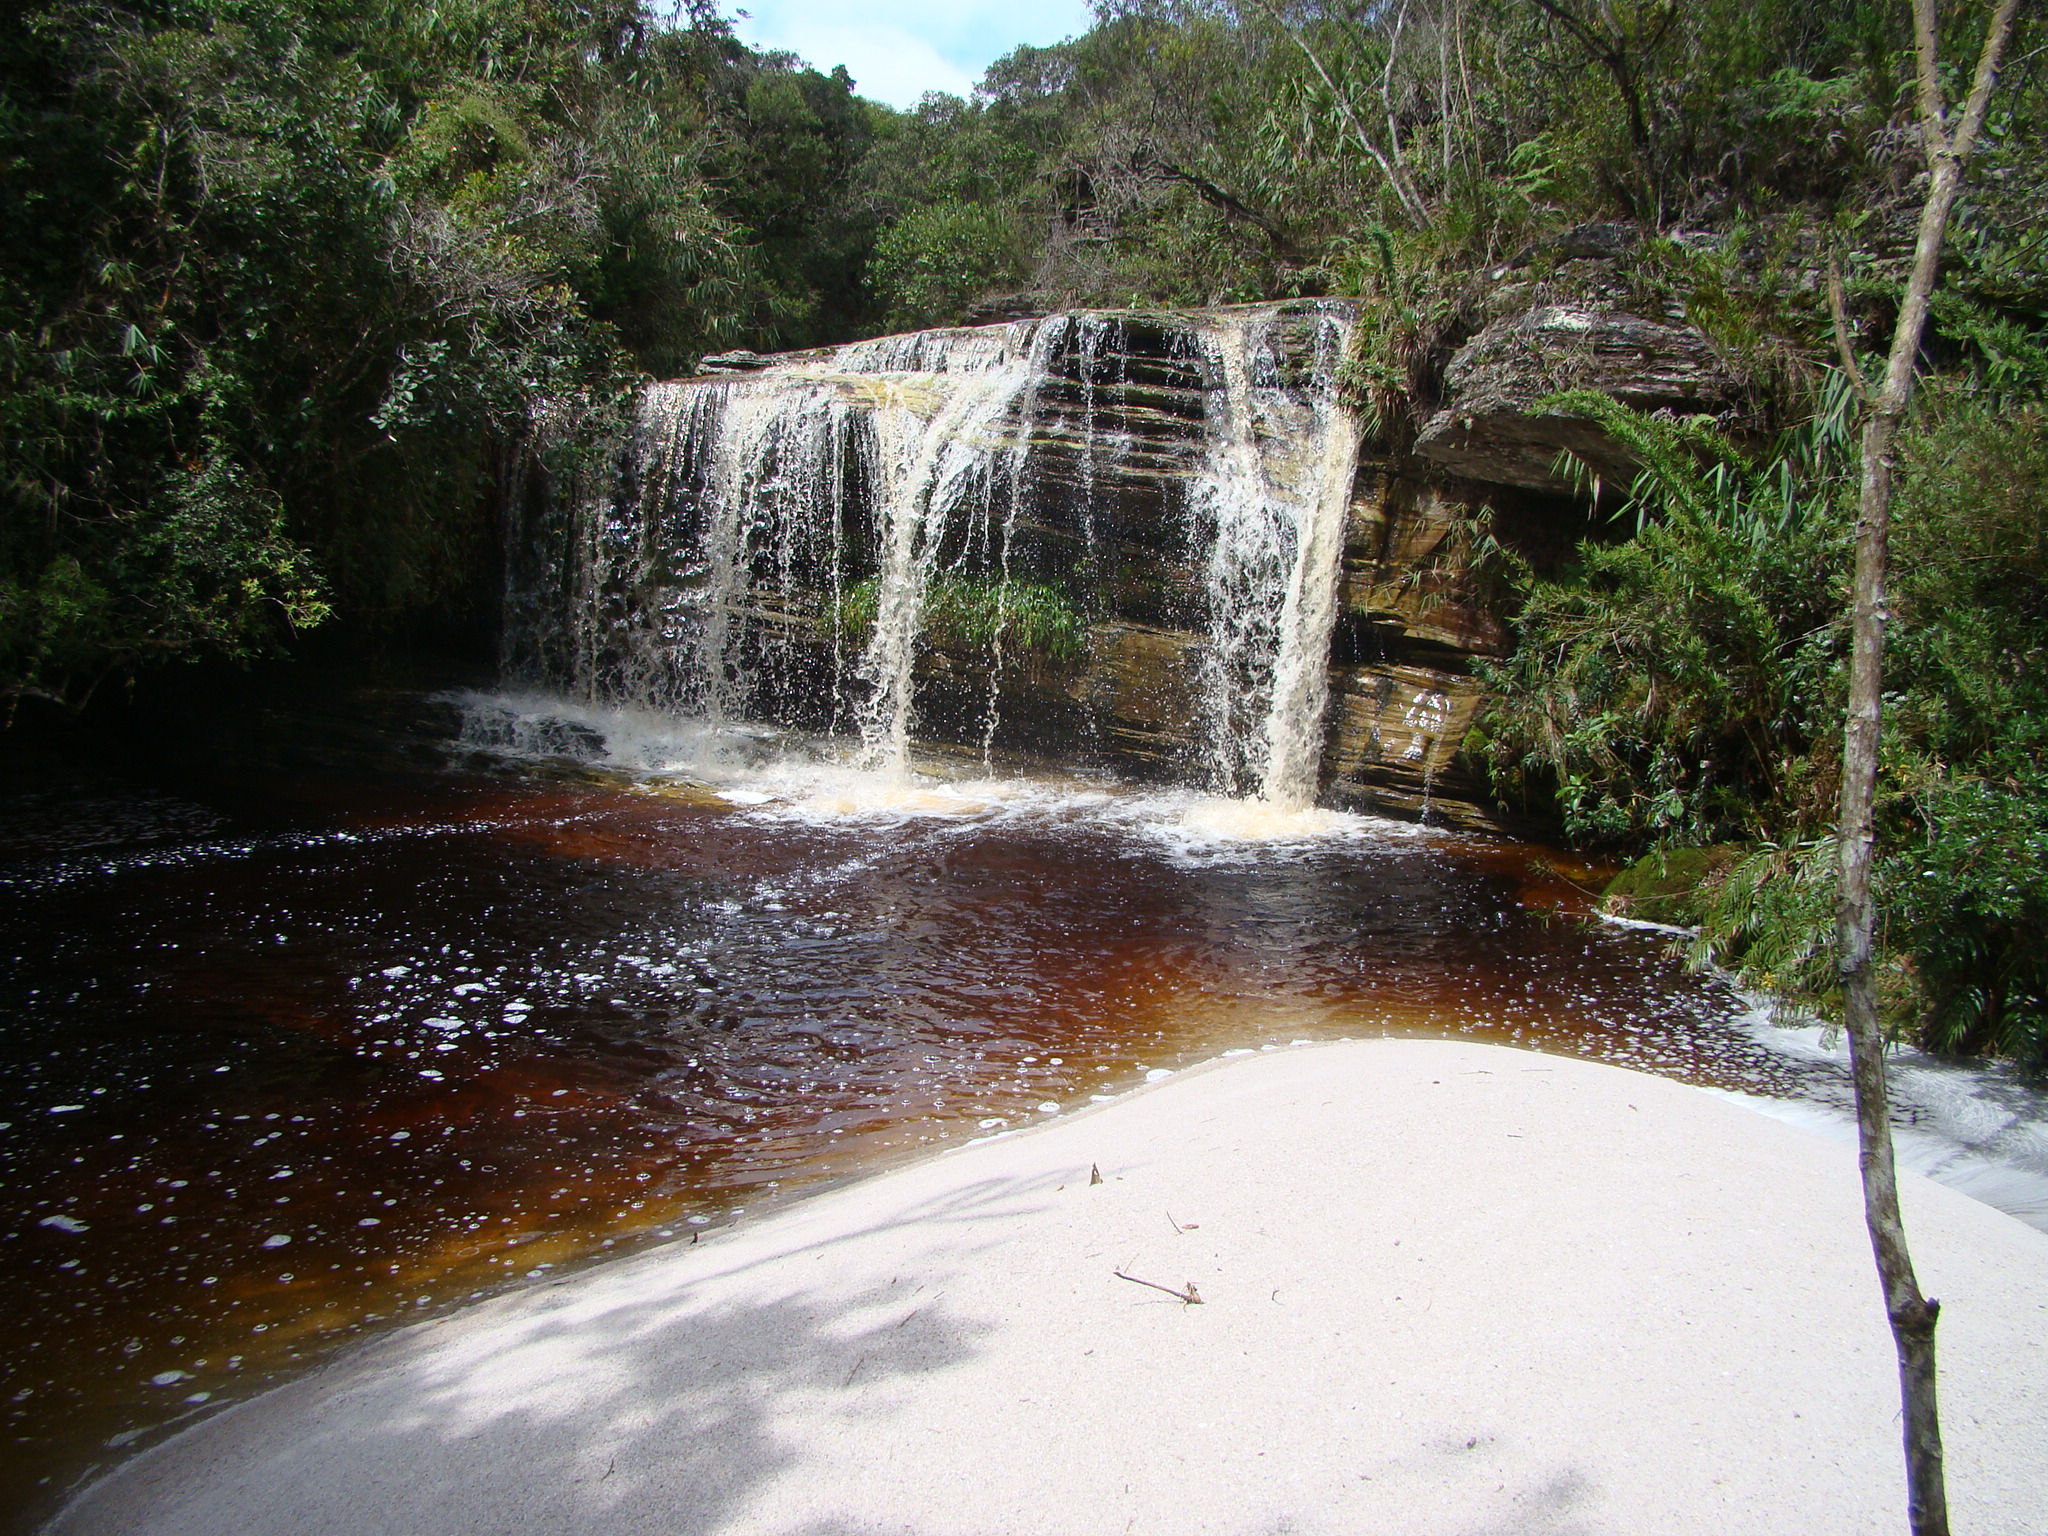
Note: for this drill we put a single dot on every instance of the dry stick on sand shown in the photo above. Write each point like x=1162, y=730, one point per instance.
x=1191, y=1296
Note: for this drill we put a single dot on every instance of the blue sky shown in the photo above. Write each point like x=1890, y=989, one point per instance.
x=896, y=50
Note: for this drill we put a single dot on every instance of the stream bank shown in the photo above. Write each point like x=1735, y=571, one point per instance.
x=1443, y=1287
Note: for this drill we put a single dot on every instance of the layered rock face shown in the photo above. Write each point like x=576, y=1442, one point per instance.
x=1091, y=535
x=1489, y=429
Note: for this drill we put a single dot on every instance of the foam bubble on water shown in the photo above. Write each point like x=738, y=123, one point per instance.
x=856, y=796
x=1261, y=821
x=1204, y=829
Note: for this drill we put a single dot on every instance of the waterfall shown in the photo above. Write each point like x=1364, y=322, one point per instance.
x=1308, y=617
x=1270, y=510
x=749, y=511
x=845, y=538
x=934, y=454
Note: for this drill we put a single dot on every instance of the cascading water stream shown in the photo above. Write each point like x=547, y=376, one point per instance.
x=926, y=464
x=931, y=462
x=1301, y=671
x=1271, y=506
x=1240, y=524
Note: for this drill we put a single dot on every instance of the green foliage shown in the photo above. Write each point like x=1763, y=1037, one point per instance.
x=933, y=262
x=1190, y=151
x=1674, y=683
x=1967, y=759
x=1682, y=686
x=1969, y=905
x=203, y=564
x=1024, y=618
x=287, y=285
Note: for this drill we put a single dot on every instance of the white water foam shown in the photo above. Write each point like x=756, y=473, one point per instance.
x=1976, y=1127
x=782, y=777
x=1198, y=831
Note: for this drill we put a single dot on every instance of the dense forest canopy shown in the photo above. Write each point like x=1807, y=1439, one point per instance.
x=289, y=285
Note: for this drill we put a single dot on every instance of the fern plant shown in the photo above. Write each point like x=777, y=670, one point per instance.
x=1672, y=683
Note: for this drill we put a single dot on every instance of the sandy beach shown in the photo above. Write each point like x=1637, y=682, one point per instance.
x=1445, y=1288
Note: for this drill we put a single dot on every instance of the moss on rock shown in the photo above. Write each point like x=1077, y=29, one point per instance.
x=1666, y=886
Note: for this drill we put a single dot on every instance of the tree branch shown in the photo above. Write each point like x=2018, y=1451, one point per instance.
x=1995, y=39
x=1612, y=53
x=1408, y=200
x=1283, y=243
x=1912, y=1315
x=1387, y=82
x=1842, y=343
x=1927, y=72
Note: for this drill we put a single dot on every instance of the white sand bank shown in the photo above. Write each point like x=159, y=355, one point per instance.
x=1447, y=1288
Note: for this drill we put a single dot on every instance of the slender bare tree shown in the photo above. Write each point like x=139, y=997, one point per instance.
x=1947, y=142
x=1388, y=160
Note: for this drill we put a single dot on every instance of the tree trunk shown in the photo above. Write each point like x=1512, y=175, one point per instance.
x=1911, y=1314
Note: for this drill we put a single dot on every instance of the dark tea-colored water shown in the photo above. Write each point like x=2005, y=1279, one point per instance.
x=291, y=1063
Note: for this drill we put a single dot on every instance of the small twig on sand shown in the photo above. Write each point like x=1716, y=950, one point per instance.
x=1190, y=1296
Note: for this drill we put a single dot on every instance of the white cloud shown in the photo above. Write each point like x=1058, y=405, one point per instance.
x=898, y=51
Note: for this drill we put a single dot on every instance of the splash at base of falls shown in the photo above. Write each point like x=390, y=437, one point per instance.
x=1263, y=821
x=787, y=777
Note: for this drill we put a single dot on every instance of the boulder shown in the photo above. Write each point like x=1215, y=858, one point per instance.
x=1491, y=429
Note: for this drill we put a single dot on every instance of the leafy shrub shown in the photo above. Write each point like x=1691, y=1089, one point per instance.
x=1682, y=686
x=1023, y=617
x=1672, y=684
x=933, y=262
x=1967, y=765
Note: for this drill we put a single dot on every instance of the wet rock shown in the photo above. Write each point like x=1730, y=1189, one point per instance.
x=995, y=308
x=1404, y=572
x=1393, y=735
x=737, y=362
x=1142, y=686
